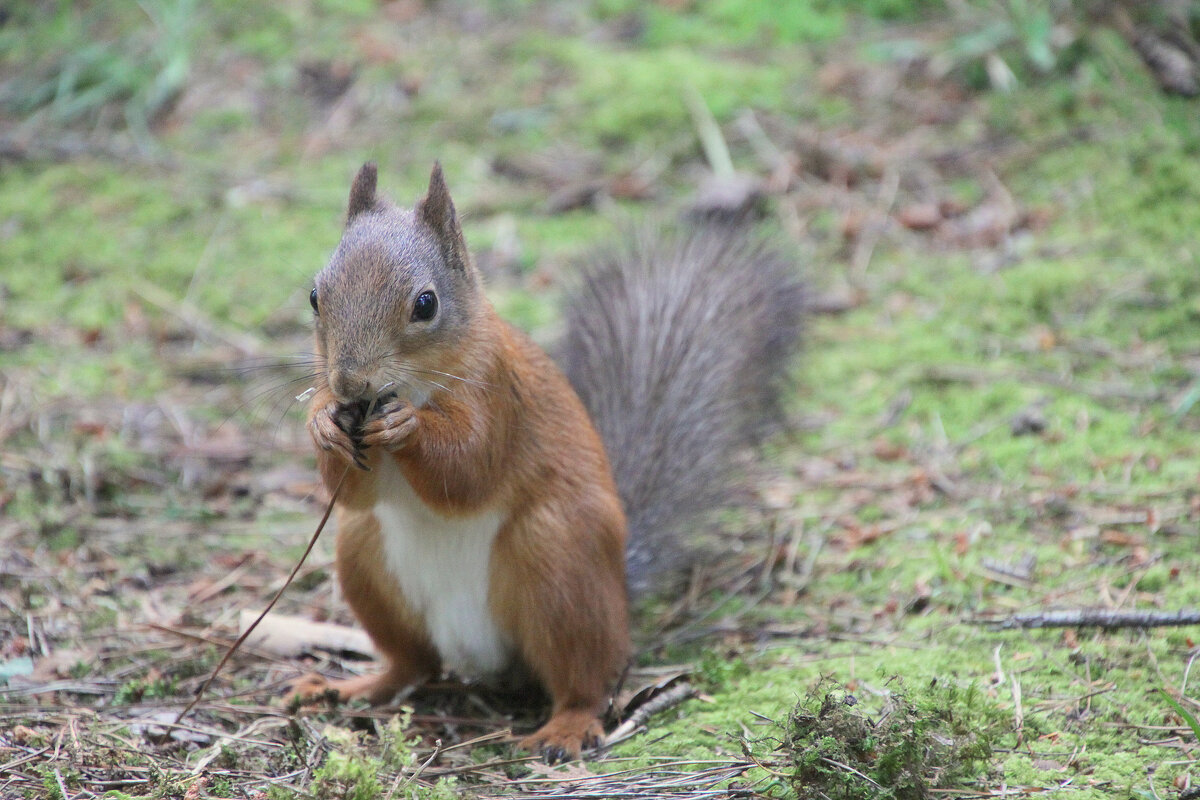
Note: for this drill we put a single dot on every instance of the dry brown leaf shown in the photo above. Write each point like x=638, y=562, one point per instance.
x=886, y=450
x=1121, y=538
x=290, y=636
x=920, y=216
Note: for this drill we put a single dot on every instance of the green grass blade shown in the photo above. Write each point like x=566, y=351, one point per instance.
x=1188, y=716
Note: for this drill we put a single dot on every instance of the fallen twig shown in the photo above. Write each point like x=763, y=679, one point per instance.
x=71, y=147
x=668, y=699
x=1094, y=618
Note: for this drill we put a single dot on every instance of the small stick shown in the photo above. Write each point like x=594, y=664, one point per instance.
x=246, y=633
x=1095, y=618
x=668, y=699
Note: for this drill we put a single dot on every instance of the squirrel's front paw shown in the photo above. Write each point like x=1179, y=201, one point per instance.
x=328, y=428
x=392, y=428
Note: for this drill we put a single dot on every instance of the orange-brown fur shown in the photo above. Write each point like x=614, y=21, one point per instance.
x=508, y=434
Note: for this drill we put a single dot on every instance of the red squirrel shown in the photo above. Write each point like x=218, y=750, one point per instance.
x=480, y=524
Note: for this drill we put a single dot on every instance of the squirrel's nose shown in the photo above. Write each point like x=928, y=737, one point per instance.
x=348, y=387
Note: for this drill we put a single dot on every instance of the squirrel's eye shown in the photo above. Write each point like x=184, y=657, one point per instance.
x=312, y=300
x=425, y=307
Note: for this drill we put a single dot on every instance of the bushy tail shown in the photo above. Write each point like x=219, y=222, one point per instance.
x=679, y=346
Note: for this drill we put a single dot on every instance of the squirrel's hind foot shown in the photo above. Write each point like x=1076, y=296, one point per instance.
x=567, y=734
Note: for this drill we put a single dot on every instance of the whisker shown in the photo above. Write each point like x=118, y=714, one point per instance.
x=421, y=371
x=279, y=395
x=472, y=382
x=283, y=385
x=419, y=379
x=271, y=362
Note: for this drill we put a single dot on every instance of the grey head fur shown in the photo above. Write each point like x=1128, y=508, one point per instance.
x=388, y=257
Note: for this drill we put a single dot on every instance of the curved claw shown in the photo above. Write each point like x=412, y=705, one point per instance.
x=326, y=428
x=392, y=428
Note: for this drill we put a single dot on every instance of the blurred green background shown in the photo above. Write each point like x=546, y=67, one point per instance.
x=995, y=202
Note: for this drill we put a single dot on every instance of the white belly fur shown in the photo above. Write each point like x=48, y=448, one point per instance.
x=441, y=564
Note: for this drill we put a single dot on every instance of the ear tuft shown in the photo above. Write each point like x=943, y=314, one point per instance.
x=362, y=191
x=436, y=210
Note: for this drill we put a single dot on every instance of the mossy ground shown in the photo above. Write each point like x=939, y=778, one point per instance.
x=1003, y=417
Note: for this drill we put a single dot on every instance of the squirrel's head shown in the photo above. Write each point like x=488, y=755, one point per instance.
x=397, y=297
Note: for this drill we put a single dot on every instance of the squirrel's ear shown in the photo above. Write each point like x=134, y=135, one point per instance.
x=362, y=192
x=436, y=210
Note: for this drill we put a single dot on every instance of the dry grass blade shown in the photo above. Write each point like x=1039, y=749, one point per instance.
x=249, y=630
x=709, y=132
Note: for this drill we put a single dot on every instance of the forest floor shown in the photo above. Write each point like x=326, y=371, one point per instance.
x=996, y=409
